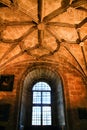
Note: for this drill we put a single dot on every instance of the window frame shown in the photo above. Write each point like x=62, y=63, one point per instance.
x=42, y=105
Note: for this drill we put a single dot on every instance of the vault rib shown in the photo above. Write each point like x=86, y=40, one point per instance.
x=81, y=43
x=78, y=3
x=15, y=3
x=10, y=59
x=17, y=55
x=82, y=9
x=16, y=41
x=61, y=24
x=70, y=42
x=40, y=37
x=55, y=13
x=58, y=41
x=80, y=67
x=82, y=23
x=65, y=3
x=40, y=10
x=28, y=14
x=52, y=33
x=30, y=30
x=79, y=37
x=84, y=38
x=6, y=2
x=15, y=23
x=83, y=53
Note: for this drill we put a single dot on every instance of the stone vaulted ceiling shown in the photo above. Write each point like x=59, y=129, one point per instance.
x=53, y=30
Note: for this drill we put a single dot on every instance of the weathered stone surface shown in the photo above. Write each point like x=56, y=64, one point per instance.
x=54, y=39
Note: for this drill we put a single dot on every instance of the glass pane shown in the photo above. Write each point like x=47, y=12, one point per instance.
x=36, y=116
x=46, y=98
x=41, y=112
x=46, y=115
x=37, y=97
x=41, y=86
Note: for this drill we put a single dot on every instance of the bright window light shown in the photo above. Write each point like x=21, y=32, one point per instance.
x=41, y=104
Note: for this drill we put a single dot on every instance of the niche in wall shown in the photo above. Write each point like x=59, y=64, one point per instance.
x=6, y=82
x=53, y=79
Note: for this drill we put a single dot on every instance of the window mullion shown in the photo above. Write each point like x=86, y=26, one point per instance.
x=41, y=110
x=42, y=105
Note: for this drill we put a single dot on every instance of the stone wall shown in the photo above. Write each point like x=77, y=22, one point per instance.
x=43, y=33
x=75, y=95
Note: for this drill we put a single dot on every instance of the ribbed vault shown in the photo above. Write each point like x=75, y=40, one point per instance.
x=39, y=29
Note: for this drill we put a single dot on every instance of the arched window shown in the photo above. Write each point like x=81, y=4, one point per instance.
x=41, y=104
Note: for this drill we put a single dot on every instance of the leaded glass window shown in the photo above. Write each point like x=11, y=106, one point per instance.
x=41, y=104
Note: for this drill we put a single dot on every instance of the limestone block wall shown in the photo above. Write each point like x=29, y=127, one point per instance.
x=43, y=33
x=75, y=94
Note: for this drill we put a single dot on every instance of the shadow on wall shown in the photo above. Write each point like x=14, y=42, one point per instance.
x=53, y=79
x=44, y=128
x=77, y=118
